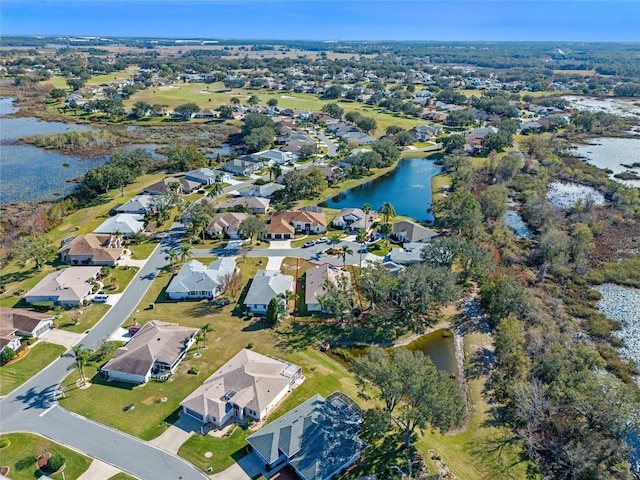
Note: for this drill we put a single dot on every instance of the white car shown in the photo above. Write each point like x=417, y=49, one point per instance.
x=322, y=240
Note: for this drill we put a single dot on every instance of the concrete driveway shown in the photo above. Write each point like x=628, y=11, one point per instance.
x=99, y=470
x=62, y=337
x=246, y=468
x=279, y=244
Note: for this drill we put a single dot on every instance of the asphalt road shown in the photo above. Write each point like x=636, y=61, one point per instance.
x=333, y=149
x=32, y=408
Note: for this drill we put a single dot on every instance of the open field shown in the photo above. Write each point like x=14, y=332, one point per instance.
x=16, y=373
x=113, y=76
x=58, y=81
x=25, y=448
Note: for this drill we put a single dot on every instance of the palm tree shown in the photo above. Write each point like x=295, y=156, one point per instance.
x=172, y=258
x=199, y=223
x=344, y=251
x=185, y=252
x=366, y=208
x=387, y=211
x=334, y=238
x=80, y=357
x=215, y=189
x=204, y=328
x=274, y=171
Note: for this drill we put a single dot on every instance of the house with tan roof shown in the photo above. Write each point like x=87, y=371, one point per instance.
x=315, y=279
x=155, y=350
x=16, y=323
x=67, y=287
x=247, y=386
x=227, y=224
x=172, y=185
x=252, y=204
x=284, y=225
x=92, y=249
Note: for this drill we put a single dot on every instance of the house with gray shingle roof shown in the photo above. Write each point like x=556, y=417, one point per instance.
x=206, y=176
x=123, y=223
x=247, y=386
x=195, y=280
x=353, y=219
x=139, y=205
x=410, y=232
x=266, y=191
x=319, y=438
x=154, y=351
x=267, y=284
x=252, y=204
x=67, y=287
x=228, y=224
x=315, y=279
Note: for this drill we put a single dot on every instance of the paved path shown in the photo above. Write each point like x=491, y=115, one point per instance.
x=333, y=148
x=274, y=263
x=32, y=407
x=99, y=471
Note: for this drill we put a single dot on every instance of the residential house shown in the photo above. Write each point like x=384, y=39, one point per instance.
x=252, y=204
x=195, y=280
x=67, y=287
x=475, y=138
x=358, y=138
x=123, y=224
x=138, y=205
x=318, y=439
x=333, y=173
x=315, y=279
x=424, y=133
x=406, y=231
x=409, y=254
x=249, y=385
x=244, y=166
x=207, y=113
x=206, y=176
x=394, y=268
x=181, y=185
x=267, y=284
x=266, y=191
x=227, y=224
x=286, y=223
x=294, y=146
x=155, y=350
x=16, y=323
x=277, y=156
x=353, y=219
x=92, y=249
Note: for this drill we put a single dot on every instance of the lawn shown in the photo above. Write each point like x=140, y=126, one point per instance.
x=79, y=320
x=119, y=278
x=143, y=249
x=23, y=452
x=15, y=374
x=58, y=81
x=113, y=76
x=122, y=476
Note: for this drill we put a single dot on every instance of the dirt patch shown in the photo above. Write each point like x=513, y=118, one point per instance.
x=208, y=454
x=148, y=401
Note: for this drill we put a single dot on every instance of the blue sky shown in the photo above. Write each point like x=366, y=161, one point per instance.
x=576, y=20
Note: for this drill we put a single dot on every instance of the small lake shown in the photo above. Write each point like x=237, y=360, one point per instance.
x=565, y=195
x=29, y=173
x=611, y=153
x=517, y=224
x=616, y=106
x=407, y=188
x=438, y=346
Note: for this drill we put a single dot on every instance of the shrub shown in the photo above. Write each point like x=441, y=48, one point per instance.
x=55, y=463
x=192, y=371
x=42, y=306
x=250, y=345
x=4, y=442
x=28, y=340
x=7, y=355
x=26, y=462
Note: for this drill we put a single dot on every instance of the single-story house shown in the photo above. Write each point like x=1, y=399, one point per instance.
x=244, y=165
x=207, y=113
x=267, y=284
x=353, y=219
x=277, y=156
x=247, y=386
x=315, y=279
x=172, y=184
x=319, y=438
x=92, y=249
x=16, y=323
x=195, y=280
x=424, y=133
x=393, y=268
x=286, y=223
x=265, y=191
x=138, y=205
x=123, y=223
x=404, y=256
x=67, y=287
x=252, y=204
x=406, y=231
x=294, y=146
x=228, y=224
x=154, y=351
x=333, y=173
x=206, y=176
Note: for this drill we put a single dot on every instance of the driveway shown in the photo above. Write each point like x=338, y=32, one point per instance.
x=99, y=470
x=274, y=263
x=62, y=337
x=248, y=467
x=279, y=244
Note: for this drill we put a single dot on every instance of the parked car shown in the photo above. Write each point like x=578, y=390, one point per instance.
x=322, y=240
x=222, y=302
x=133, y=330
x=100, y=298
x=308, y=244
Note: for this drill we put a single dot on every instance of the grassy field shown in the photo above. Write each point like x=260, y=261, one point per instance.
x=113, y=76
x=58, y=81
x=23, y=452
x=119, y=278
x=15, y=374
x=79, y=320
x=122, y=476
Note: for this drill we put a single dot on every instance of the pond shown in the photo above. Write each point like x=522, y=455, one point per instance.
x=613, y=154
x=515, y=221
x=407, y=188
x=29, y=173
x=565, y=195
x=437, y=345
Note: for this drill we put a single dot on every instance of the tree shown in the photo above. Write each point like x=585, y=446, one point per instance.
x=333, y=109
x=172, y=257
x=273, y=102
x=334, y=238
x=182, y=158
x=376, y=422
x=253, y=226
x=367, y=124
x=394, y=130
x=235, y=100
x=232, y=284
x=7, y=355
x=453, y=143
x=140, y=109
x=37, y=249
x=274, y=171
x=137, y=160
x=366, y=209
x=163, y=205
x=253, y=100
x=333, y=92
x=187, y=110
x=302, y=184
x=204, y=329
x=273, y=309
x=80, y=357
x=415, y=393
x=259, y=139
x=493, y=202
x=225, y=111
x=497, y=141
x=385, y=229
x=199, y=224
x=336, y=297
x=502, y=297
x=461, y=212
x=508, y=167
x=404, y=139
x=344, y=251
x=423, y=288
x=387, y=211
x=308, y=151
x=387, y=150
x=184, y=252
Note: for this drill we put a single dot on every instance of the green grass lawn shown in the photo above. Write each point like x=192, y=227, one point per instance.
x=79, y=320
x=113, y=76
x=122, y=476
x=58, y=81
x=15, y=374
x=120, y=278
x=143, y=249
x=23, y=452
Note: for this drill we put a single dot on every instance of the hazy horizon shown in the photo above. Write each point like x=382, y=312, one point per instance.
x=565, y=21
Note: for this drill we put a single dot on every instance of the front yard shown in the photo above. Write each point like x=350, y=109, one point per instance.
x=16, y=373
x=79, y=320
